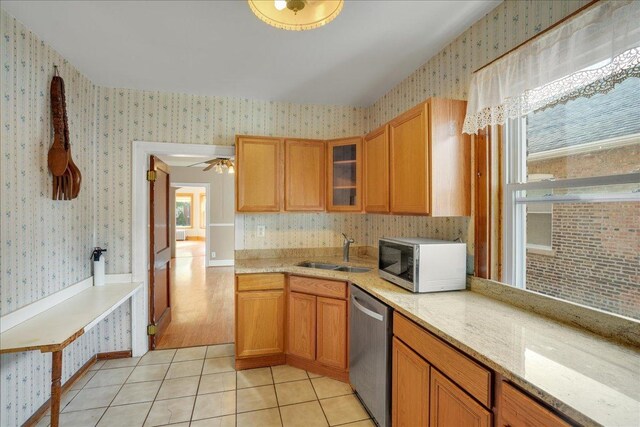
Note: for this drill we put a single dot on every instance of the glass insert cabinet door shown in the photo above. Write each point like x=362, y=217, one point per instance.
x=345, y=175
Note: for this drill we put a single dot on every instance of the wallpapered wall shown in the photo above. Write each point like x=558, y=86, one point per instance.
x=44, y=244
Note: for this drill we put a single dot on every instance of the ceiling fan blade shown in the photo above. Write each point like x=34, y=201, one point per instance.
x=208, y=167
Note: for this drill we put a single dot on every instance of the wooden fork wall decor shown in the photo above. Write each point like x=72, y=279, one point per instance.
x=66, y=175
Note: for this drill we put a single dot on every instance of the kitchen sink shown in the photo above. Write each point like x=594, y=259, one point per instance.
x=334, y=267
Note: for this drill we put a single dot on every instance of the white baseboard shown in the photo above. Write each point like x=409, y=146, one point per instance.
x=221, y=263
x=10, y=320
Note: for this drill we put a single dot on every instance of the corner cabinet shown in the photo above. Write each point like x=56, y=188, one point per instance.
x=430, y=160
x=258, y=174
x=376, y=170
x=344, y=175
x=304, y=172
x=260, y=314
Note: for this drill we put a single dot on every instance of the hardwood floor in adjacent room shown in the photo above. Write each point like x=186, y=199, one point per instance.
x=201, y=299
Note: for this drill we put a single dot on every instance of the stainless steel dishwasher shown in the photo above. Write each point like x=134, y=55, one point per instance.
x=370, y=353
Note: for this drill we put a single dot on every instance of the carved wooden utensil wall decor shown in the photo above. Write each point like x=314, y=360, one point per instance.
x=66, y=175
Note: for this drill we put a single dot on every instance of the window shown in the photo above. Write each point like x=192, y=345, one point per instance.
x=184, y=204
x=571, y=200
x=203, y=210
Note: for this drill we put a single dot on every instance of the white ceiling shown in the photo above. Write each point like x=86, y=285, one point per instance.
x=184, y=160
x=221, y=48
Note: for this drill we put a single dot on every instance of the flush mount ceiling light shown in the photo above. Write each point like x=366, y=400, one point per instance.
x=296, y=15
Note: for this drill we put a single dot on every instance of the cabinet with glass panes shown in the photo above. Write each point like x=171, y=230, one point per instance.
x=345, y=175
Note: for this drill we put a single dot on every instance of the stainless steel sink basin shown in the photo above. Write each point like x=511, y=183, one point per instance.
x=334, y=267
x=353, y=269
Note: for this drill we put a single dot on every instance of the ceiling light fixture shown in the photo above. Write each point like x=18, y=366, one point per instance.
x=296, y=15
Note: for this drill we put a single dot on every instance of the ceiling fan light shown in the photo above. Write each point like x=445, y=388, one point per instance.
x=231, y=169
x=280, y=4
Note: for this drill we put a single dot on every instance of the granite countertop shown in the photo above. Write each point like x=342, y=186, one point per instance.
x=592, y=380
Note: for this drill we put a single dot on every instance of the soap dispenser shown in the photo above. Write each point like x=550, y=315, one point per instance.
x=98, y=266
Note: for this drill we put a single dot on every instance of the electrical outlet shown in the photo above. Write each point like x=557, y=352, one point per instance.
x=213, y=254
x=260, y=231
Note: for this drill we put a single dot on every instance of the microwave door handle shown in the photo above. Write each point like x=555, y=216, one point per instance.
x=365, y=310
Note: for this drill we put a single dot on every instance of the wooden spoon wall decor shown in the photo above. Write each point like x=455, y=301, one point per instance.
x=66, y=175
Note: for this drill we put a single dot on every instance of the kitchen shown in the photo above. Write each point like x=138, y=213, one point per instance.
x=390, y=163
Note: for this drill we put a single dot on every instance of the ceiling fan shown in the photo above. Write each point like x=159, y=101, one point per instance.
x=218, y=164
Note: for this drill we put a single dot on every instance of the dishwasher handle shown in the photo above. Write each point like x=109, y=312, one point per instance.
x=365, y=310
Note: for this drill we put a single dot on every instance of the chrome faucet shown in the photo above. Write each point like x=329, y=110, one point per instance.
x=345, y=248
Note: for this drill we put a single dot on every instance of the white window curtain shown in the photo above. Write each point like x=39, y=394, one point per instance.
x=587, y=54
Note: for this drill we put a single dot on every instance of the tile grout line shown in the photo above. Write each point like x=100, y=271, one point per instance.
x=195, y=398
x=275, y=391
x=319, y=403
x=153, y=402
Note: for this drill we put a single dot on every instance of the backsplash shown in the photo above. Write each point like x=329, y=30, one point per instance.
x=44, y=244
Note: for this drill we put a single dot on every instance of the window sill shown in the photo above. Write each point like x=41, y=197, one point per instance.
x=541, y=250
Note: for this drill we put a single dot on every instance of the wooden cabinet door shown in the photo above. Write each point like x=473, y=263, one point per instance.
x=332, y=332
x=410, y=388
x=304, y=171
x=451, y=406
x=376, y=170
x=301, y=336
x=259, y=323
x=519, y=410
x=258, y=174
x=409, y=161
x=344, y=175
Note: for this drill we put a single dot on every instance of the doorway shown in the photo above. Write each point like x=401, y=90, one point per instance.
x=201, y=295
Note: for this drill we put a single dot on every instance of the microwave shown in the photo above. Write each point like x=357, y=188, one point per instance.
x=423, y=265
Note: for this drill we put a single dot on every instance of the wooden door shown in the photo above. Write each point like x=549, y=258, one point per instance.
x=410, y=388
x=344, y=175
x=332, y=332
x=376, y=170
x=451, y=406
x=409, y=162
x=259, y=323
x=159, y=249
x=301, y=337
x=304, y=171
x=258, y=174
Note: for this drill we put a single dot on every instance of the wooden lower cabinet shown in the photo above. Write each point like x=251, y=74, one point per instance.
x=301, y=328
x=260, y=314
x=332, y=332
x=519, y=410
x=410, y=388
x=451, y=406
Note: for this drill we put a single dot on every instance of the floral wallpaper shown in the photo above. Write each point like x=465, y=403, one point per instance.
x=44, y=244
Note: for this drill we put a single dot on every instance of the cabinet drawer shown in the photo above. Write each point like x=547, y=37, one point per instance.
x=472, y=377
x=320, y=287
x=259, y=282
x=519, y=410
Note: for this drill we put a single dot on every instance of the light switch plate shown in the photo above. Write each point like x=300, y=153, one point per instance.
x=213, y=254
x=260, y=231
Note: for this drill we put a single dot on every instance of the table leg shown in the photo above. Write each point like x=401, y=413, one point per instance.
x=56, y=391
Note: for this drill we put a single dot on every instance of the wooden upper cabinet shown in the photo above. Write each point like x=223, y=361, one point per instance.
x=376, y=170
x=301, y=336
x=258, y=174
x=344, y=175
x=450, y=158
x=332, y=332
x=410, y=388
x=430, y=160
x=259, y=323
x=304, y=175
x=409, y=161
x=451, y=406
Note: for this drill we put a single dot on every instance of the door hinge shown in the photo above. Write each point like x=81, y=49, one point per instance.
x=151, y=175
x=151, y=329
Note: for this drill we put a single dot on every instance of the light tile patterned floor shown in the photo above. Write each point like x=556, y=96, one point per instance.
x=199, y=387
